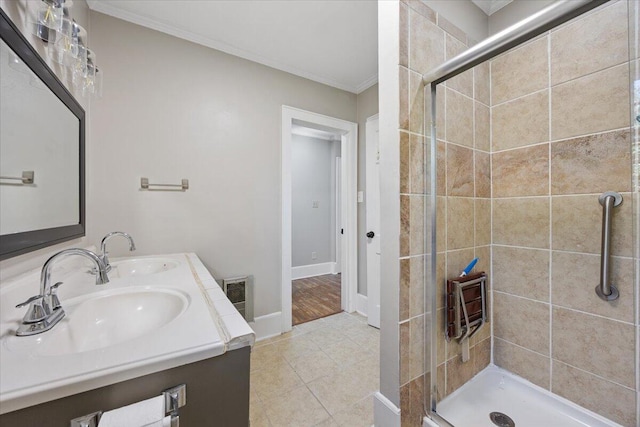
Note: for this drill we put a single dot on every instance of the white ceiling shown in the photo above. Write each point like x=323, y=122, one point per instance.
x=331, y=42
x=491, y=6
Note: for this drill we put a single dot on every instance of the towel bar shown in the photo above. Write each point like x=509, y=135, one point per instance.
x=145, y=185
x=174, y=398
x=26, y=178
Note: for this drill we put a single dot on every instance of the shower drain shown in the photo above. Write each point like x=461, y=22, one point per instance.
x=501, y=420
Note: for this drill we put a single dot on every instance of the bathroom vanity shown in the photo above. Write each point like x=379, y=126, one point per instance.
x=161, y=321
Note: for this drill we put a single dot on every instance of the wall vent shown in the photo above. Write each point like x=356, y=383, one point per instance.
x=239, y=290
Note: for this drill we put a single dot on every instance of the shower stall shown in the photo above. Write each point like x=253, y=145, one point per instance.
x=531, y=164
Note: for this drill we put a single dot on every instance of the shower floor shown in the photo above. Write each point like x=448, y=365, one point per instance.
x=497, y=390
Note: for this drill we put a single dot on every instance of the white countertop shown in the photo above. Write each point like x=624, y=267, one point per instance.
x=208, y=327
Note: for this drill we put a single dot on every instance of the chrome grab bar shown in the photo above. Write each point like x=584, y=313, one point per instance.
x=606, y=290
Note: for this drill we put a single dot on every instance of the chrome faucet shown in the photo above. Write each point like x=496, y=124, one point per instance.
x=45, y=310
x=103, y=246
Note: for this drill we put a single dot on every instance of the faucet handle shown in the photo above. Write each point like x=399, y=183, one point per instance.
x=54, y=301
x=37, y=309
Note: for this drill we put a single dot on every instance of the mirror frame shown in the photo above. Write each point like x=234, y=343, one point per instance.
x=20, y=243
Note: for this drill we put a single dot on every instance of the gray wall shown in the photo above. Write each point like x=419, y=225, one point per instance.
x=172, y=109
x=463, y=14
x=367, y=106
x=514, y=12
x=312, y=180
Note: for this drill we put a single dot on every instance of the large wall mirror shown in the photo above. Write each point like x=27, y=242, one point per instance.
x=42, y=133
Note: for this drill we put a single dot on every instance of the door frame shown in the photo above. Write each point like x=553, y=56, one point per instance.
x=349, y=155
x=372, y=153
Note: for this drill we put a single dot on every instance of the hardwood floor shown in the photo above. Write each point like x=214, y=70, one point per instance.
x=315, y=297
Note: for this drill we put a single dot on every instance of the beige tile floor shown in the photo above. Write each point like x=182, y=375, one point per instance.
x=322, y=373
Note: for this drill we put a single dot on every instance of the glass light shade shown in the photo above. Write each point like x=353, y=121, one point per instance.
x=68, y=41
x=46, y=19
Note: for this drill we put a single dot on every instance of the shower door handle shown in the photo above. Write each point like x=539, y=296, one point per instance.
x=606, y=290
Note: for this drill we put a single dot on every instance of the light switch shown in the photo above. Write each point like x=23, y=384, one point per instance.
x=315, y=203
x=360, y=196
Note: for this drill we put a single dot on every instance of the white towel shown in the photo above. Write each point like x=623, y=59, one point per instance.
x=139, y=414
x=165, y=422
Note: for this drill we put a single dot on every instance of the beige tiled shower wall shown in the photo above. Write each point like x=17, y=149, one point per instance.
x=560, y=137
x=463, y=199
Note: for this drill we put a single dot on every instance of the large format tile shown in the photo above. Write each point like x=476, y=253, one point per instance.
x=520, y=71
x=360, y=414
x=595, y=344
x=482, y=174
x=521, y=172
x=404, y=35
x=265, y=356
x=592, y=164
x=296, y=346
x=610, y=400
x=482, y=83
x=405, y=163
x=577, y=225
x=522, y=272
x=313, y=365
x=513, y=318
x=416, y=282
x=298, y=407
x=340, y=390
x=463, y=82
x=575, y=276
x=276, y=380
x=426, y=43
x=403, y=98
x=526, y=363
x=595, y=103
x=460, y=223
x=417, y=222
x=416, y=103
x=460, y=172
x=459, y=119
x=483, y=222
x=417, y=164
x=521, y=222
x=520, y=122
x=441, y=168
x=482, y=127
x=590, y=44
x=416, y=353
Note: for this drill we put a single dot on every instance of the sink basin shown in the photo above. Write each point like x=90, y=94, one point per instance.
x=111, y=318
x=143, y=266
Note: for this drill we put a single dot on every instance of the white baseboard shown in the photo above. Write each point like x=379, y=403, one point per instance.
x=312, y=270
x=362, y=306
x=267, y=326
x=334, y=268
x=428, y=422
x=385, y=412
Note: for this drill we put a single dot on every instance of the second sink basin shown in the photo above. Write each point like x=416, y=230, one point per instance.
x=112, y=318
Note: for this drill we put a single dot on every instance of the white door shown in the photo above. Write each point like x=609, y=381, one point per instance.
x=373, y=221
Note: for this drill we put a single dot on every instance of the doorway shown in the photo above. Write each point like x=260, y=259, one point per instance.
x=346, y=244
x=316, y=223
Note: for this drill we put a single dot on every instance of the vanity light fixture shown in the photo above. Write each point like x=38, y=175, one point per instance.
x=67, y=43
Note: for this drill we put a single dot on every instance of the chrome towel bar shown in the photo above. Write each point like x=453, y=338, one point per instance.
x=606, y=290
x=26, y=178
x=146, y=185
